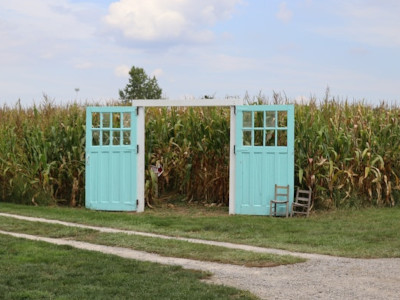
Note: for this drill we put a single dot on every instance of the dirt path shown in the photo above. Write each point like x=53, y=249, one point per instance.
x=321, y=277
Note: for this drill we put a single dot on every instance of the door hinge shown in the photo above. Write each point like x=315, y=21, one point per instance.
x=137, y=202
x=234, y=149
x=234, y=109
x=137, y=110
x=137, y=149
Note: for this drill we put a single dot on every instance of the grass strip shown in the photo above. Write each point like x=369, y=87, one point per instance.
x=361, y=233
x=38, y=270
x=171, y=248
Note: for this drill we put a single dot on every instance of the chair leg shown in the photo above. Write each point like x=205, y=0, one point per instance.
x=272, y=210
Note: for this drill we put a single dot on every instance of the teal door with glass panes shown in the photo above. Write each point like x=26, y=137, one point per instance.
x=264, y=156
x=111, y=151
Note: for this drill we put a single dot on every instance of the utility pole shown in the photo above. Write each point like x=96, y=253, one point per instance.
x=77, y=91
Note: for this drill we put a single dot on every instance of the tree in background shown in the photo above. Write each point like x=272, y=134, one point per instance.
x=140, y=86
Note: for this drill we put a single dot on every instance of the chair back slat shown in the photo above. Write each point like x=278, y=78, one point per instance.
x=302, y=202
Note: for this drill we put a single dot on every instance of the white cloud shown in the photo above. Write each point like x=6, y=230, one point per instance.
x=375, y=23
x=174, y=20
x=358, y=51
x=228, y=63
x=122, y=71
x=48, y=28
x=284, y=14
x=84, y=65
x=55, y=19
x=157, y=73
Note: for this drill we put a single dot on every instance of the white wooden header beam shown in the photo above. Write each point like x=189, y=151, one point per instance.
x=197, y=102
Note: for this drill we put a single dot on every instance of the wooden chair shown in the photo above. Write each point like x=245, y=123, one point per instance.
x=302, y=203
x=281, y=197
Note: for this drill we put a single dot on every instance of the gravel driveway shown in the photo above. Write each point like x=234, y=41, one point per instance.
x=321, y=277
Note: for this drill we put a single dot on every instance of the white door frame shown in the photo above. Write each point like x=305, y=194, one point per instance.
x=141, y=104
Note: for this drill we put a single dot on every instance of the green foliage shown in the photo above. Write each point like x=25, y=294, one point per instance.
x=42, y=152
x=192, y=144
x=140, y=86
x=349, y=154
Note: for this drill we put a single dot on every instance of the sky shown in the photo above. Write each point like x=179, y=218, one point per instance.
x=82, y=50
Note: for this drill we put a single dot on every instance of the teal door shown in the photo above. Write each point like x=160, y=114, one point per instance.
x=111, y=150
x=264, y=156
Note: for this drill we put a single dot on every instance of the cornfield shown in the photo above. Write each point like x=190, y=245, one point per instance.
x=42, y=154
x=348, y=153
x=192, y=145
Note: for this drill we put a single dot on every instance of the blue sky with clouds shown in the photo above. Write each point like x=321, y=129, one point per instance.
x=197, y=48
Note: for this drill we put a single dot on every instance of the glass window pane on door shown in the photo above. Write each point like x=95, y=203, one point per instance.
x=106, y=120
x=246, y=137
x=126, y=137
x=106, y=138
x=95, y=120
x=282, y=138
x=126, y=120
x=258, y=138
x=247, y=122
x=259, y=119
x=116, y=138
x=282, y=119
x=96, y=137
x=270, y=138
x=116, y=120
x=270, y=118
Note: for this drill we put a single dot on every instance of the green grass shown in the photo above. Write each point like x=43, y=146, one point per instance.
x=364, y=233
x=170, y=248
x=37, y=270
